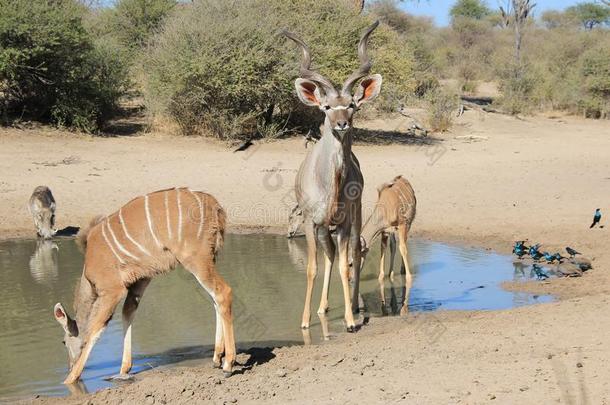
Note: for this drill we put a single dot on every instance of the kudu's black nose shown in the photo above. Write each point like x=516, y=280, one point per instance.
x=342, y=124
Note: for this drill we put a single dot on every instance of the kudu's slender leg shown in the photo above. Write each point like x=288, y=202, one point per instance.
x=381, y=277
x=342, y=242
x=306, y=336
x=392, y=255
x=354, y=241
x=324, y=324
x=134, y=294
x=328, y=246
x=312, y=269
x=102, y=311
x=403, y=231
x=204, y=270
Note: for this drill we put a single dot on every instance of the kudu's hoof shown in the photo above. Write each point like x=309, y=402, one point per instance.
x=227, y=374
x=120, y=377
x=70, y=380
x=351, y=329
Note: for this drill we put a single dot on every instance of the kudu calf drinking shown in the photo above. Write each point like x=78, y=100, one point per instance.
x=42, y=208
x=146, y=237
x=392, y=215
x=329, y=182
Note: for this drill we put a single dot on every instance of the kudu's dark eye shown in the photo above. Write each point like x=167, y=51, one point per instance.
x=352, y=105
x=63, y=342
x=327, y=107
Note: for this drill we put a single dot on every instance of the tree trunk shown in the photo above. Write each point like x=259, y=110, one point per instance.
x=518, y=39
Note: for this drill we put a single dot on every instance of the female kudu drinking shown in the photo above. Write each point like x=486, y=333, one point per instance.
x=146, y=237
x=392, y=215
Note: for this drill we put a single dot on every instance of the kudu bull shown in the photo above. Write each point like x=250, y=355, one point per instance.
x=146, y=237
x=329, y=183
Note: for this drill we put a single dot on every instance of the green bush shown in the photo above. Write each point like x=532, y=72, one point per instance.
x=472, y=9
x=590, y=14
x=221, y=68
x=133, y=22
x=565, y=70
x=442, y=106
x=518, y=87
x=414, y=33
x=595, y=73
x=50, y=67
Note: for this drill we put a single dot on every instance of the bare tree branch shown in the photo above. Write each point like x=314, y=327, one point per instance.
x=516, y=14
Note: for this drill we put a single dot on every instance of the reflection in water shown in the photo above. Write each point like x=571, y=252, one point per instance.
x=298, y=253
x=176, y=322
x=78, y=388
x=44, y=261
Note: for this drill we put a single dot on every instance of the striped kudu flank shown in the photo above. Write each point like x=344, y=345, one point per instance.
x=146, y=237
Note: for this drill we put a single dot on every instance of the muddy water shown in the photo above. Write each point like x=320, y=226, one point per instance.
x=176, y=321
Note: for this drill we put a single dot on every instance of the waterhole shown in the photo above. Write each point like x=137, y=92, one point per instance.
x=176, y=321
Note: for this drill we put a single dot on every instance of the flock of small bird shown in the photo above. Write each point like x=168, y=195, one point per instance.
x=571, y=266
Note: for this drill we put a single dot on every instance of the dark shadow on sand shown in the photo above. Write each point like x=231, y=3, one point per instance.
x=379, y=137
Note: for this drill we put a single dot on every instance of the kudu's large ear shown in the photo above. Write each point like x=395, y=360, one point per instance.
x=368, y=90
x=64, y=320
x=308, y=92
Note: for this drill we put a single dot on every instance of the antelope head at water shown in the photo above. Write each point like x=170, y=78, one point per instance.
x=72, y=339
x=42, y=208
x=338, y=105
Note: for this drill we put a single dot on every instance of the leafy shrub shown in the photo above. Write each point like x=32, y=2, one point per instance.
x=415, y=32
x=442, y=106
x=220, y=67
x=595, y=71
x=51, y=69
x=133, y=22
x=471, y=9
x=518, y=86
x=590, y=14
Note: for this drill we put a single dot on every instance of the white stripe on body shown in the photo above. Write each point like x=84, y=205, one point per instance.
x=128, y=236
x=167, y=220
x=179, y=215
x=200, y=229
x=149, y=220
x=110, y=245
x=116, y=242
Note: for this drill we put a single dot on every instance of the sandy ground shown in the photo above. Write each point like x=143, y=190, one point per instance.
x=538, y=178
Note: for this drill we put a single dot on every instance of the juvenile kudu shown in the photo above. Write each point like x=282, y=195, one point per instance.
x=42, y=208
x=329, y=183
x=392, y=215
x=146, y=237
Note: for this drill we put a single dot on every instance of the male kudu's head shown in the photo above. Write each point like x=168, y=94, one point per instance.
x=338, y=106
